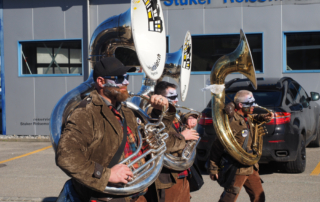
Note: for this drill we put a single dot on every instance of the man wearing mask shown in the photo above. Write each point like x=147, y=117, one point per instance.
x=173, y=186
x=241, y=118
x=95, y=129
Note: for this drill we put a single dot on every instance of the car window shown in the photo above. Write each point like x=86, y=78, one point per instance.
x=263, y=98
x=288, y=97
x=303, y=95
x=292, y=94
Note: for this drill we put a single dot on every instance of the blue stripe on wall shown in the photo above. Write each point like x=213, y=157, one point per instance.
x=2, y=72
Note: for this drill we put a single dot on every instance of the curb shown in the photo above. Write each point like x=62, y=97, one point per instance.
x=20, y=199
x=24, y=138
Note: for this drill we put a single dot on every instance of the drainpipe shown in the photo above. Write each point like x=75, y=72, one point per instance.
x=88, y=31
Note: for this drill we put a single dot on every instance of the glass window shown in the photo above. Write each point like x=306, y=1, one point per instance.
x=303, y=98
x=292, y=94
x=302, y=51
x=206, y=50
x=51, y=57
x=263, y=98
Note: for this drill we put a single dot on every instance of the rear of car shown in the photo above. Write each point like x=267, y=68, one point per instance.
x=208, y=135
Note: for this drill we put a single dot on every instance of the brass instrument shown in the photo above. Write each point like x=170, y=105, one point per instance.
x=189, y=152
x=240, y=60
x=140, y=28
x=178, y=67
x=259, y=132
x=192, y=144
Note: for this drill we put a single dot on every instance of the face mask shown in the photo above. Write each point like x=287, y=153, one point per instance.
x=116, y=81
x=249, y=102
x=172, y=95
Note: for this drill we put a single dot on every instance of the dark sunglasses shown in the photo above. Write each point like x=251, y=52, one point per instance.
x=172, y=97
x=117, y=79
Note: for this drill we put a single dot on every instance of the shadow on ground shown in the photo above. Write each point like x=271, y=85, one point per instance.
x=50, y=199
x=264, y=169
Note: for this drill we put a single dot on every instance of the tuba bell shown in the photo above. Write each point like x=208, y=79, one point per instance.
x=177, y=66
x=140, y=28
x=240, y=60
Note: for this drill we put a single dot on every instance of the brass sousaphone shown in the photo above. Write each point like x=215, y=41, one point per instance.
x=240, y=60
x=178, y=67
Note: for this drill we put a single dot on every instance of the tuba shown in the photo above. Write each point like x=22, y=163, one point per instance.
x=240, y=60
x=141, y=24
x=178, y=67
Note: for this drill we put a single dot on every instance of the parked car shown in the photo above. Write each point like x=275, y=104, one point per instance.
x=296, y=123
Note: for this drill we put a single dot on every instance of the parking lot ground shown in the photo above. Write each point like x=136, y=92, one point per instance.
x=35, y=177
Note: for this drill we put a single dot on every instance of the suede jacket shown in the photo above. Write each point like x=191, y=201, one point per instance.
x=238, y=125
x=90, y=138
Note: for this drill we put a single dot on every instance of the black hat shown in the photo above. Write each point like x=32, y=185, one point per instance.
x=110, y=66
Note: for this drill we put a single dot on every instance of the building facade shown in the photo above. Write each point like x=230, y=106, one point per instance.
x=45, y=46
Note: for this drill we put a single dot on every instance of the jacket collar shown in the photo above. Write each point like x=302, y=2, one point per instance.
x=106, y=112
x=239, y=117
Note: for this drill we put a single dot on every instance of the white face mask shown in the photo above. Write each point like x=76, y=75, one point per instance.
x=249, y=101
x=172, y=95
x=112, y=83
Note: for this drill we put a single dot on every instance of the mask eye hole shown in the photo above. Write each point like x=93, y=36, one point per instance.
x=248, y=104
x=172, y=97
x=118, y=79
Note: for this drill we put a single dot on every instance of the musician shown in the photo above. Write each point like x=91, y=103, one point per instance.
x=94, y=131
x=240, y=119
x=173, y=186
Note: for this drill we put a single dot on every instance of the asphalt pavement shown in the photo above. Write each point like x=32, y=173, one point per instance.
x=28, y=173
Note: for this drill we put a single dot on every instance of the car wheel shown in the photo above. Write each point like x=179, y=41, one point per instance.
x=299, y=165
x=316, y=142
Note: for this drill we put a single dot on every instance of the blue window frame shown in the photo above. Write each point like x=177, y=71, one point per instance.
x=2, y=93
x=301, y=52
x=207, y=49
x=50, y=57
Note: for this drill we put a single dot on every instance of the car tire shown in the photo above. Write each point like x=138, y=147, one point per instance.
x=316, y=142
x=299, y=165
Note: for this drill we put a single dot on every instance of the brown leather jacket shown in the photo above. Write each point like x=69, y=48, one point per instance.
x=237, y=124
x=90, y=138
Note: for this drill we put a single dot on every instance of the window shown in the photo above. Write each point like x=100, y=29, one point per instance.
x=302, y=51
x=208, y=49
x=51, y=57
x=292, y=94
x=263, y=98
x=303, y=98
